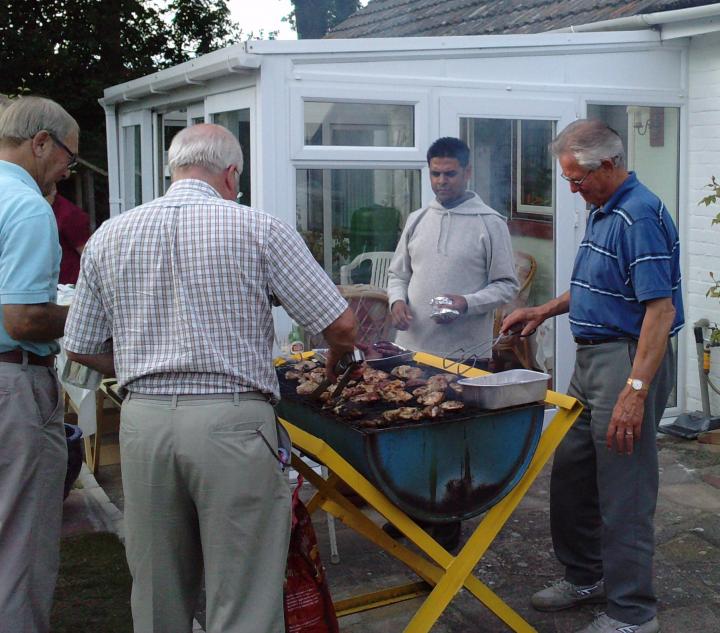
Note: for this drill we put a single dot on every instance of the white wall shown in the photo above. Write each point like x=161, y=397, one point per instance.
x=701, y=242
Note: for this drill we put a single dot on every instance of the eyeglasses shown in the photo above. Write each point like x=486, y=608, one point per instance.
x=73, y=158
x=576, y=181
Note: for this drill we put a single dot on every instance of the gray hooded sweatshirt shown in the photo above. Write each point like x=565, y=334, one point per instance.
x=465, y=250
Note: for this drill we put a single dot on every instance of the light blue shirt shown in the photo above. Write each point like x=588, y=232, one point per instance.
x=29, y=251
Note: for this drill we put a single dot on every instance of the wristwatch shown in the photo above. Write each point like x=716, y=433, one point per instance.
x=637, y=385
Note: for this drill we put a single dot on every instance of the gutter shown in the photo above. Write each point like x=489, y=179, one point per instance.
x=698, y=16
x=196, y=71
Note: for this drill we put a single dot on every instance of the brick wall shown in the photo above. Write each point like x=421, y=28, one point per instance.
x=701, y=242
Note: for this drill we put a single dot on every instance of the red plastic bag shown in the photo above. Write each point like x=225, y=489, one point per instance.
x=307, y=602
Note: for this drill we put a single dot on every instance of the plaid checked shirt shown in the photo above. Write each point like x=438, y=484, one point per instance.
x=180, y=289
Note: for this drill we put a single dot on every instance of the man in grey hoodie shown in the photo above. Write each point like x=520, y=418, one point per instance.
x=457, y=247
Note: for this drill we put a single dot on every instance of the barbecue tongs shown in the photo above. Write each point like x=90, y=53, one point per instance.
x=345, y=367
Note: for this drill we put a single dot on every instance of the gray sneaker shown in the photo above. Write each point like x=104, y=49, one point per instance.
x=605, y=624
x=564, y=595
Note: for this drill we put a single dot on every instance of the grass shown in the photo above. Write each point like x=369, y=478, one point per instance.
x=93, y=588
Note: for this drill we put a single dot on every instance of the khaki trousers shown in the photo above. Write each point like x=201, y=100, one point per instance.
x=33, y=463
x=204, y=491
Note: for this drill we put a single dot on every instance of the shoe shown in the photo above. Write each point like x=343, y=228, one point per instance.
x=605, y=624
x=564, y=595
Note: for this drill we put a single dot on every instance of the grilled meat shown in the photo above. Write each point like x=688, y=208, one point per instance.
x=406, y=372
x=431, y=398
x=306, y=388
x=452, y=405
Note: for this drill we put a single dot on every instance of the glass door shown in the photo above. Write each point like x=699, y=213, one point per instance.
x=235, y=111
x=136, y=159
x=514, y=172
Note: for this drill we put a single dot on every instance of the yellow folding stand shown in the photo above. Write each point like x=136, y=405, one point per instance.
x=439, y=569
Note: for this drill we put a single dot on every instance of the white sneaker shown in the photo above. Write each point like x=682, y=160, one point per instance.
x=564, y=595
x=605, y=624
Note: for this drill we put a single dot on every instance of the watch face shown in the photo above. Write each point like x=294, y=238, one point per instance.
x=636, y=384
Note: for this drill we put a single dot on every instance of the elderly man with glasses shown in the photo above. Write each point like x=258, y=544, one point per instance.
x=33, y=453
x=176, y=297
x=624, y=304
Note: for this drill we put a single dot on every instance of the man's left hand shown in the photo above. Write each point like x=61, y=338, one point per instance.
x=458, y=303
x=626, y=422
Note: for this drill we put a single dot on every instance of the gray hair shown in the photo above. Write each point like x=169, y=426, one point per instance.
x=590, y=141
x=205, y=145
x=4, y=103
x=24, y=117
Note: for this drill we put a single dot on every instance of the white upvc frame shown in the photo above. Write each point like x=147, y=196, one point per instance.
x=371, y=95
x=241, y=99
x=567, y=225
x=143, y=119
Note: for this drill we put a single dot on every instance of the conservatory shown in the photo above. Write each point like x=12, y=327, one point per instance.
x=335, y=133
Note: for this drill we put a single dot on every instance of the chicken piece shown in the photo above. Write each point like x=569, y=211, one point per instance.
x=306, y=388
x=406, y=372
x=292, y=374
x=391, y=415
x=394, y=394
x=325, y=396
x=452, y=405
x=304, y=365
x=455, y=389
x=317, y=375
x=431, y=398
x=420, y=391
x=432, y=412
x=348, y=410
x=409, y=413
x=413, y=383
x=371, y=375
x=368, y=396
x=437, y=383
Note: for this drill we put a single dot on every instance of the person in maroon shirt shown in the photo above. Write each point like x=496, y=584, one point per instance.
x=74, y=230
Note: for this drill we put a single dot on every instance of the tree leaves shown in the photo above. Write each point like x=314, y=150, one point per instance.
x=71, y=50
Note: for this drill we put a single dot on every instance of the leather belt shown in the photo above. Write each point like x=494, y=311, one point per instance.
x=16, y=356
x=600, y=341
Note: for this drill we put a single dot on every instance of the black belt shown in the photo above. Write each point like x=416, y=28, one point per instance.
x=16, y=356
x=600, y=341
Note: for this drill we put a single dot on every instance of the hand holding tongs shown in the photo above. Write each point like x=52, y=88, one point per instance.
x=471, y=355
x=344, y=368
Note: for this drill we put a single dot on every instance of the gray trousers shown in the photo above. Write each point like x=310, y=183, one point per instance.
x=204, y=491
x=33, y=463
x=602, y=503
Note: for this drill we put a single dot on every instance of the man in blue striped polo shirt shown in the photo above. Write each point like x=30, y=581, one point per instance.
x=624, y=304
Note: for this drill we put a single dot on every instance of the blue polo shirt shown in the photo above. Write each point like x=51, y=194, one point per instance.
x=630, y=254
x=29, y=251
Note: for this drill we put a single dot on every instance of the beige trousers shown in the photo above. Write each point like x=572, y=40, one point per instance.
x=204, y=491
x=33, y=463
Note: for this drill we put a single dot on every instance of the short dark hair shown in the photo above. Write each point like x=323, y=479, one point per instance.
x=450, y=147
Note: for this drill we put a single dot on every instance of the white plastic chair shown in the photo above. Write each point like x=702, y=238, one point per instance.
x=379, y=264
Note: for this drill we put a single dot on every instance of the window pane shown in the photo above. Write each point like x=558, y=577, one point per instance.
x=132, y=185
x=513, y=172
x=169, y=124
x=344, y=212
x=238, y=122
x=359, y=124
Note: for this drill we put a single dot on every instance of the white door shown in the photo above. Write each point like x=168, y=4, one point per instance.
x=136, y=159
x=236, y=111
x=515, y=173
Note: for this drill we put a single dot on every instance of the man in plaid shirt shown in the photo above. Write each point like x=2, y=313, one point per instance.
x=175, y=298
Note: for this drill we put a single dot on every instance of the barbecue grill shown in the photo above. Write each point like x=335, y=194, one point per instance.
x=439, y=470
x=378, y=465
